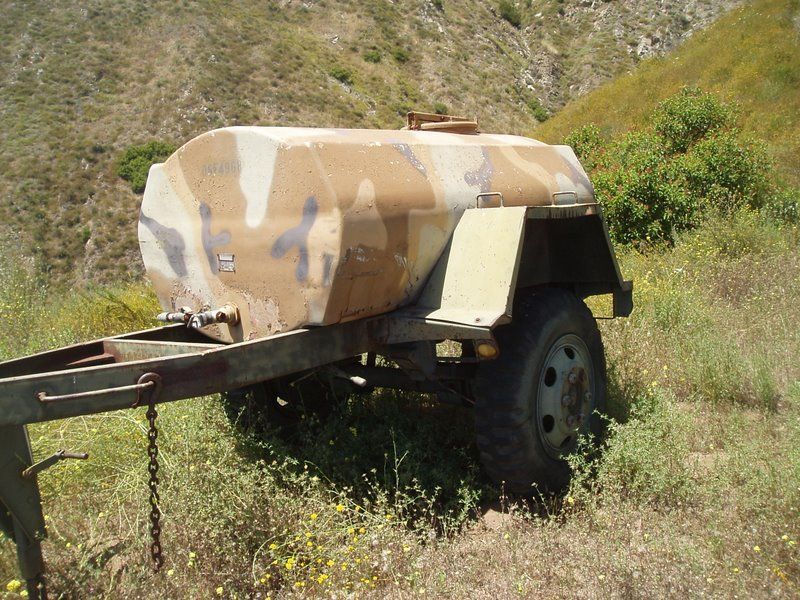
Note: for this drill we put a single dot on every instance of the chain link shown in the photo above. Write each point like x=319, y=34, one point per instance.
x=152, y=468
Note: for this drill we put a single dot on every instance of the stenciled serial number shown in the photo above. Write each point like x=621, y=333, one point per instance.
x=223, y=168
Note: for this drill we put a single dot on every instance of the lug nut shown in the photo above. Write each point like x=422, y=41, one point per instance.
x=572, y=378
x=574, y=421
x=587, y=396
x=566, y=401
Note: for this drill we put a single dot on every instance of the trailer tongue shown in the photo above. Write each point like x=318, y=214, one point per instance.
x=151, y=367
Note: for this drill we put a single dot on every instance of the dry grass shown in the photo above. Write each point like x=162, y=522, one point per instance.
x=696, y=490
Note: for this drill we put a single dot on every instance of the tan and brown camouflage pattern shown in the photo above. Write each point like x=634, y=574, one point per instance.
x=326, y=225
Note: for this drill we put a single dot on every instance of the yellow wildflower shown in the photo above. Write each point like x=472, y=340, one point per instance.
x=313, y=516
x=340, y=508
x=219, y=590
x=13, y=585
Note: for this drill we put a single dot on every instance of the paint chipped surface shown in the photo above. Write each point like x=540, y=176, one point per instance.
x=326, y=225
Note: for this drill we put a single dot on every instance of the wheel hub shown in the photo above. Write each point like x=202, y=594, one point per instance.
x=565, y=394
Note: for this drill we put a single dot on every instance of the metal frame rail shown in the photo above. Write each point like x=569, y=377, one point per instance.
x=162, y=365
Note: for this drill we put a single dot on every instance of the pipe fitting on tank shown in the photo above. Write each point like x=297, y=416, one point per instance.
x=227, y=314
x=181, y=316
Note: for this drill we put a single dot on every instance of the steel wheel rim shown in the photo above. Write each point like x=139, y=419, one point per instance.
x=564, y=395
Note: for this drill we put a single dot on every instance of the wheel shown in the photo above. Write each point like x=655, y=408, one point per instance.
x=544, y=390
x=279, y=403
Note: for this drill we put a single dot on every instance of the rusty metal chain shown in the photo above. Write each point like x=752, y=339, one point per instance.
x=152, y=468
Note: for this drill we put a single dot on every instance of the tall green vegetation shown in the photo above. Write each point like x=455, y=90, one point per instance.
x=687, y=159
x=135, y=162
x=510, y=12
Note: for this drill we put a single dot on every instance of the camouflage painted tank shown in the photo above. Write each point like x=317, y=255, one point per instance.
x=298, y=226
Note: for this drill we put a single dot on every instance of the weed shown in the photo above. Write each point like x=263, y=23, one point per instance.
x=135, y=162
x=510, y=12
x=342, y=74
x=372, y=56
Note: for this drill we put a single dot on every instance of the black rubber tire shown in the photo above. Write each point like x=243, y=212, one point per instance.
x=512, y=446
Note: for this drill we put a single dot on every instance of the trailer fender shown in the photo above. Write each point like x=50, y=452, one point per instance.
x=493, y=252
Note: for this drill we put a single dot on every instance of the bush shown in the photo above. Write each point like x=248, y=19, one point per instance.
x=657, y=182
x=783, y=206
x=372, y=56
x=688, y=116
x=136, y=161
x=510, y=12
x=539, y=112
x=342, y=74
x=725, y=170
x=646, y=459
x=439, y=108
x=400, y=54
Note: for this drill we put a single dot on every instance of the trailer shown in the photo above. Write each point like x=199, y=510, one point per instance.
x=282, y=254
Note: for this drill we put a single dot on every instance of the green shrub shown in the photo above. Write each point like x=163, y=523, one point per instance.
x=372, y=56
x=689, y=116
x=783, y=206
x=588, y=144
x=656, y=182
x=641, y=193
x=539, y=112
x=136, y=161
x=400, y=54
x=510, y=12
x=727, y=171
x=438, y=4
x=342, y=74
x=439, y=108
x=646, y=459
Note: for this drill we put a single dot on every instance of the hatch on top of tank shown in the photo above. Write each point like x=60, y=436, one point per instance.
x=420, y=121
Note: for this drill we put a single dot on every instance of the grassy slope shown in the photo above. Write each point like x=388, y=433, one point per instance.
x=750, y=56
x=81, y=81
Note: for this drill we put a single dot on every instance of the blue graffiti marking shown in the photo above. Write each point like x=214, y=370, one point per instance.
x=298, y=236
x=483, y=175
x=408, y=153
x=170, y=241
x=211, y=241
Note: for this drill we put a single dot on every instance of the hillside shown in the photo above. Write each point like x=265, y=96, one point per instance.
x=750, y=57
x=80, y=82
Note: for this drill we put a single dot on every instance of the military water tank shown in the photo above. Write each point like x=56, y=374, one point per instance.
x=299, y=226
